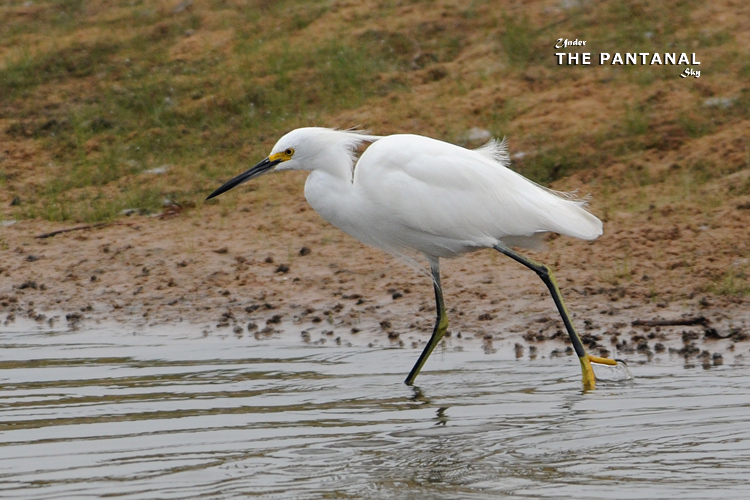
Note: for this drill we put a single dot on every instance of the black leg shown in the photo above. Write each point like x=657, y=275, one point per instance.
x=441, y=324
x=589, y=381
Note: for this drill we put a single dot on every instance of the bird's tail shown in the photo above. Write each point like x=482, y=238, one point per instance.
x=568, y=216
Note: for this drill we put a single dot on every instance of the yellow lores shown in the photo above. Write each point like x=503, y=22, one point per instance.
x=411, y=193
x=285, y=155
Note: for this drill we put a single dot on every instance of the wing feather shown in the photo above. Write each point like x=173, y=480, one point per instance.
x=443, y=199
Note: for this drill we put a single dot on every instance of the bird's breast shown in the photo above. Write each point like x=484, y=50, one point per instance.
x=334, y=200
x=344, y=205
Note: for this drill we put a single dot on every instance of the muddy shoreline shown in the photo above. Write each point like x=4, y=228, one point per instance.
x=303, y=281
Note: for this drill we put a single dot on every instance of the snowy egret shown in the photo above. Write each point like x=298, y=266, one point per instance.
x=409, y=192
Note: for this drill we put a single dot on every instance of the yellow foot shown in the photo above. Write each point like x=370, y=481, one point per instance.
x=602, y=361
x=589, y=380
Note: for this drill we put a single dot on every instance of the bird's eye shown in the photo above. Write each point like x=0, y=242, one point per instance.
x=289, y=152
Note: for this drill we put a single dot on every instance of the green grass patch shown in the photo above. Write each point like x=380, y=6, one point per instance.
x=548, y=165
x=636, y=119
x=209, y=88
x=518, y=39
x=26, y=70
x=620, y=272
x=143, y=109
x=90, y=207
x=734, y=283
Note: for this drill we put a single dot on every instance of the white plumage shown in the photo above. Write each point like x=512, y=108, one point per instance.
x=413, y=192
x=409, y=192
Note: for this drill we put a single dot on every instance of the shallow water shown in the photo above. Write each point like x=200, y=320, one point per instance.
x=141, y=416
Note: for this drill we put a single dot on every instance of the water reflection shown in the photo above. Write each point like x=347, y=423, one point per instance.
x=90, y=414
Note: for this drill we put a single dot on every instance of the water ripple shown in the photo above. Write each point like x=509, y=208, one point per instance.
x=101, y=413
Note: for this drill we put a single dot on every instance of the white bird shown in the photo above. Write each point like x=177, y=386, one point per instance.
x=409, y=192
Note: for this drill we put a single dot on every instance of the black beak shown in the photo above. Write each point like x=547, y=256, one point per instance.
x=258, y=170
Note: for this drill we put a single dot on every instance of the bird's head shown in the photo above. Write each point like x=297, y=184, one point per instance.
x=302, y=149
x=284, y=152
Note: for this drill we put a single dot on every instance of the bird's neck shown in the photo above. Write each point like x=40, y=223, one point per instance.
x=337, y=164
x=328, y=193
x=329, y=187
